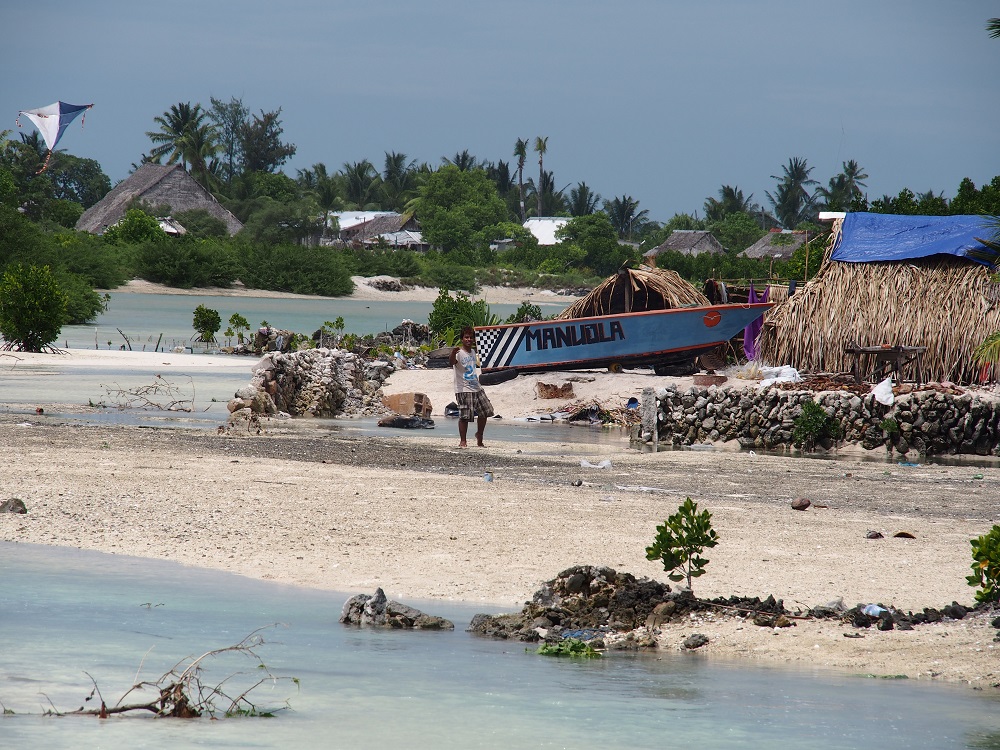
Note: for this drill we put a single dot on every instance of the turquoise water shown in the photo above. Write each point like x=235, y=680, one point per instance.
x=143, y=318
x=65, y=612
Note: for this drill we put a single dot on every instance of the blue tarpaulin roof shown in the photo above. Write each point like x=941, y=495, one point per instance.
x=866, y=238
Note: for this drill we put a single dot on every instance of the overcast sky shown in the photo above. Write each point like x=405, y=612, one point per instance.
x=661, y=100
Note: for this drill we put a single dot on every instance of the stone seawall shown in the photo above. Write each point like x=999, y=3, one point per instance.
x=310, y=383
x=927, y=422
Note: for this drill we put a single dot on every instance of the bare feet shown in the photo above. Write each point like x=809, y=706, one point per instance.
x=479, y=440
x=463, y=444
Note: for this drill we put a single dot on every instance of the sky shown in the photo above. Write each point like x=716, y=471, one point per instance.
x=664, y=101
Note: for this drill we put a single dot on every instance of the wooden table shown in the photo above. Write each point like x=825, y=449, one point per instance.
x=885, y=360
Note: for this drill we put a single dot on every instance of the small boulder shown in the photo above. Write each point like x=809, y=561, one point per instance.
x=695, y=640
x=800, y=503
x=13, y=505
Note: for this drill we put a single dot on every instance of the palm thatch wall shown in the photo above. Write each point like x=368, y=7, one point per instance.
x=944, y=303
x=638, y=289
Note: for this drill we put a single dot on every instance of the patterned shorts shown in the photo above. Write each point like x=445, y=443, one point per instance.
x=471, y=405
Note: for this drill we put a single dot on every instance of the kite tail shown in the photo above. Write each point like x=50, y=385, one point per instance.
x=45, y=164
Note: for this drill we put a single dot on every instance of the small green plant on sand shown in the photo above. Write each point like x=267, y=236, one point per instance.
x=986, y=566
x=814, y=425
x=569, y=647
x=681, y=539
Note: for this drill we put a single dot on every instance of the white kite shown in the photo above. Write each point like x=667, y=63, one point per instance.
x=52, y=122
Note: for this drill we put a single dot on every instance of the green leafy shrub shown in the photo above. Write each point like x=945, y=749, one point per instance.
x=814, y=425
x=450, y=314
x=32, y=308
x=293, y=268
x=889, y=426
x=569, y=647
x=526, y=312
x=134, y=227
x=986, y=566
x=207, y=322
x=681, y=539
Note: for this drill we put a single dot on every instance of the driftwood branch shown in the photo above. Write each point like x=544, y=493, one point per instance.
x=181, y=692
x=161, y=395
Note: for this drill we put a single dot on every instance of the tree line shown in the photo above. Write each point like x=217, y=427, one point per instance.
x=471, y=211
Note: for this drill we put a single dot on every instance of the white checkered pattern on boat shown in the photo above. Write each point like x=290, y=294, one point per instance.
x=496, y=346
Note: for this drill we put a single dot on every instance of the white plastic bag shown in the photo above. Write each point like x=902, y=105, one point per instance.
x=883, y=392
x=783, y=374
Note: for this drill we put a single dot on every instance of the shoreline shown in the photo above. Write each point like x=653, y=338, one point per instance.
x=363, y=291
x=412, y=515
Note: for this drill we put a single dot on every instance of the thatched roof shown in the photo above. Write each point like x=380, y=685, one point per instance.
x=942, y=302
x=633, y=290
x=776, y=244
x=686, y=242
x=155, y=185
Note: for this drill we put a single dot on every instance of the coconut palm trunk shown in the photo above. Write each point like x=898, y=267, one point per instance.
x=541, y=146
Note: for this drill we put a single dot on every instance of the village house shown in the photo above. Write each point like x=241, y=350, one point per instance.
x=156, y=185
x=686, y=242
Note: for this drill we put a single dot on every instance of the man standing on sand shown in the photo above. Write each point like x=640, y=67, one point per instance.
x=472, y=401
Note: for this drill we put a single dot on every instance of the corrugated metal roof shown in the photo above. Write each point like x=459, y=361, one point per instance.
x=544, y=228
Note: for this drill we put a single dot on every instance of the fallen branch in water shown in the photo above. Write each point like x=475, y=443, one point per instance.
x=161, y=394
x=182, y=693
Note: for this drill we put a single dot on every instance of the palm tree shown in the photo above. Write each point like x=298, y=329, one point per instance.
x=500, y=175
x=521, y=152
x=993, y=26
x=397, y=180
x=854, y=179
x=541, y=146
x=730, y=201
x=324, y=188
x=791, y=200
x=201, y=146
x=625, y=216
x=465, y=161
x=174, y=139
x=361, y=180
x=582, y=200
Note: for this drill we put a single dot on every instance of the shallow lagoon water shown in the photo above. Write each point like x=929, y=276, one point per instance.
x=148, y=319
x=66, y=612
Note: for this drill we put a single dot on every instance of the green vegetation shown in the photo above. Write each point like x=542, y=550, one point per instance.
x=681, y=539
x=986, y=566
x=814, y=425
x=470, y=210
x=449, y=315
x=207, y=323
x=569, y=647
x=32, y=308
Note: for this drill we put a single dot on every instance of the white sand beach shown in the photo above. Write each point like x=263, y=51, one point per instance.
x=413, y=515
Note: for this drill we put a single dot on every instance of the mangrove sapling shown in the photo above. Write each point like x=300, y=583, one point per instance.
x=183, y=693
x=680, y=540
x=986, y=566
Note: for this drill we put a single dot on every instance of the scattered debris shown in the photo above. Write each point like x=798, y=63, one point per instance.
x=551, y=390
x=408, y=404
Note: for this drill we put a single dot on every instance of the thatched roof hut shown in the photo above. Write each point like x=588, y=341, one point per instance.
x=155, y=185
x=944, y=302
x=686, y=242
x=633, y=290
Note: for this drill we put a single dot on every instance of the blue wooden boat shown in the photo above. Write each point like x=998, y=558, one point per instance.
x=656, y=338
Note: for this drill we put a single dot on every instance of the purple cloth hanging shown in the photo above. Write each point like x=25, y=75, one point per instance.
x=752, y=331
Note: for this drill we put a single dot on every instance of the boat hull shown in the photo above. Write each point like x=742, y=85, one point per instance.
x=627, y=339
